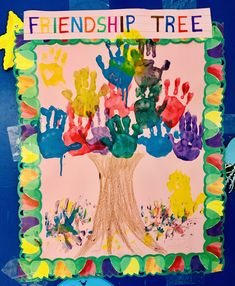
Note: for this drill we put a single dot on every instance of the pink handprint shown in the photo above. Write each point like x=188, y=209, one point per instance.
x=114, y=103
x=173, y=108
x=78, y=134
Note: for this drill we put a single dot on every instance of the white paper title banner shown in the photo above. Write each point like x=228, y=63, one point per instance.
x=108, y=24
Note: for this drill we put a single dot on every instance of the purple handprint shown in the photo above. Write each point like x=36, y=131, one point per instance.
x=190, y=144
x=100, y=132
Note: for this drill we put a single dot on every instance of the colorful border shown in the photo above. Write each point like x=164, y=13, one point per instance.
x=31, y=267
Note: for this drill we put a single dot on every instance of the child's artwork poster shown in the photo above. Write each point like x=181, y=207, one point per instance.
x=121, y=168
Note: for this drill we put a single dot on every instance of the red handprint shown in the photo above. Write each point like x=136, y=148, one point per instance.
x=173, y=108
x=115, y=103
x=78, y=134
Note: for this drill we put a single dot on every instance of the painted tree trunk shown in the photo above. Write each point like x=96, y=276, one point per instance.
x=117, y=210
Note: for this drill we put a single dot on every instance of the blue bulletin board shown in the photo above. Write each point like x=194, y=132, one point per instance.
x=9, y=240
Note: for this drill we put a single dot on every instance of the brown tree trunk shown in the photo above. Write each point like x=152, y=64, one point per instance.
x=117, y=210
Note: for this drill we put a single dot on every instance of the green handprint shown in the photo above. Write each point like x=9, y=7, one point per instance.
x=122, y=145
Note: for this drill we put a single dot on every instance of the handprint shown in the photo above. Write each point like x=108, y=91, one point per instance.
x=190, y=144
x=145, y=108
x=114, y=103
x=157, y=145
x=78, y=133
x=50, y=142
x=120, y=71
x=98, y=132
x=52, y=68
x=147, y=75
x=172, y=108
x=86, y=101
x=122, y=145
x=149, y=45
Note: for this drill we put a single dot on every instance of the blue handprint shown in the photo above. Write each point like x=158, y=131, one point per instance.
x=157, y=145
x=50, y=142
x=122, y=145
x=120, y=71
x=190, y=143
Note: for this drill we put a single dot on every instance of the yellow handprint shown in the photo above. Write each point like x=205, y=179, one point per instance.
x=52, y=68
x=7, y=41
x=181, y=202
x=86, y=101
x=132, y=35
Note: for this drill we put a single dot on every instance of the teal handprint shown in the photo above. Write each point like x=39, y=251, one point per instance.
x=122, y=144
x=157, y=145
x=50, y=142
x=145, y=108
